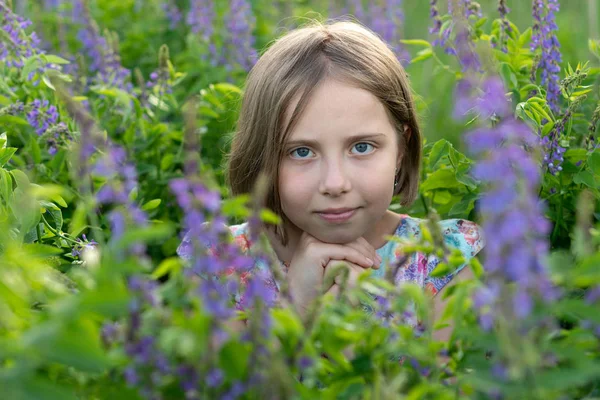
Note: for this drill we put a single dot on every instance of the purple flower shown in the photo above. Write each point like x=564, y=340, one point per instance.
x=503, y=10
x=236, y=391
x=173, y=13
x=239, y=39
x=545, y=41
x=385, y=19
x=109, y=333
x=201, y=17
x=17, y=44
x=515, y=216
x=42, y=116
x=131, y=376
x=188, y=378
x=214, y=378
x=102, y=53
x=593, y=295
x=434, y=14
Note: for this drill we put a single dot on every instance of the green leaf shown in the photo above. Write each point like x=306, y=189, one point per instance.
x=422, y=55
x=438, y=151
x=442, y=269
x=42, y=250
x=233, y=359
x=442, y=178
x=6, y=154
x=463, y=207
x=269, y=216
x=416, y=42
x=76, y=344
x=525, y=37
x=29, y=66
x=5, y=185
x=585, y=178
x=57, y=218
x=594, y=162
x=236, y=207
x=166, y=266
x=51, y=58
x=151, y=205
x=36, y=388
x=225, y=87
x=508, y=75
x=47, y=82
x=166, y=161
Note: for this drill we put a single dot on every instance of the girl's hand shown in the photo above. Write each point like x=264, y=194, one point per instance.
x=305, y=273
x=354, y=272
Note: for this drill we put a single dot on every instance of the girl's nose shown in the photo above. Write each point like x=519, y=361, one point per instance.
x=334, y=180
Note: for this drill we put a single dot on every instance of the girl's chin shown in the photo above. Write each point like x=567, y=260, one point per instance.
x=333, y=237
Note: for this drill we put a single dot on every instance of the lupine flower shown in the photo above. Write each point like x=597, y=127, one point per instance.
x=544, y=39
x=101, y=52
x=239, y=41
x=201, y=17
x=503, y=10
x=160, y=83
x=385, y=19
x=470, y=8
x=121, y=180
x=553, y=152
x=172, y=13
x=109, y=333
x=148, y=362
x=509, y=206
x=56, y=135
x=42, y=116
x=515, y=216
x=82, y=245
x=13, y=109
x=19, y=45
x=434, y=14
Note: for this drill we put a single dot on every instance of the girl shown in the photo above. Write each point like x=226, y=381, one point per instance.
x=328, y=115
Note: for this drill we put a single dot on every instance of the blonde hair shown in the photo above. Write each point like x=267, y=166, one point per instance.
x=293, y=66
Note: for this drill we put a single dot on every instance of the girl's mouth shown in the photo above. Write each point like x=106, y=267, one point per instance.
x=337, y=216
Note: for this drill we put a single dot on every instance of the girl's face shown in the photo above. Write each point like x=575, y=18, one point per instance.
x=341, y=155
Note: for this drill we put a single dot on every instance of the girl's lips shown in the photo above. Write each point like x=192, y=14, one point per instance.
x=337, y=217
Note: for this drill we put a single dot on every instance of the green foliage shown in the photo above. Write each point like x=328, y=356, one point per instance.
x=59, y=288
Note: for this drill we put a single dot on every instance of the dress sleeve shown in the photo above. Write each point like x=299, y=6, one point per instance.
x=460, y=234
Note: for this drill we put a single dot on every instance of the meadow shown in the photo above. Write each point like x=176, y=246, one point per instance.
x=115, y=119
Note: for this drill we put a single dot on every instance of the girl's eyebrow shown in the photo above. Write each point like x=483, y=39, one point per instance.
x=350, y=139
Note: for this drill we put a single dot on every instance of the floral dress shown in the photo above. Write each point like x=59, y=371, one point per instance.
x=461, y=234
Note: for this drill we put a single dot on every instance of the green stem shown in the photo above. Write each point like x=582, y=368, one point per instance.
x=425, y=205
x=55, y=232
x=441, y=63
x=39, y=232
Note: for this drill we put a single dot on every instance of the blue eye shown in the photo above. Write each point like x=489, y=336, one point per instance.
x=302, y=152
x=363, y=148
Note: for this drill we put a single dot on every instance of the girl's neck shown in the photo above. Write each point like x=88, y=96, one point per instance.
x=387, y=225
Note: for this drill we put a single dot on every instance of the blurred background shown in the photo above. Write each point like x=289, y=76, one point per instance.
x=142, y=27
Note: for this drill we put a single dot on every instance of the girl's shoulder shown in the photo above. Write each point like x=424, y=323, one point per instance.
x=458, y=233
x=461, y=234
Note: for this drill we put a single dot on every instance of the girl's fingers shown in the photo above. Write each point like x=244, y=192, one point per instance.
x=368, y=249
x=354, y=272
x=346, y=253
